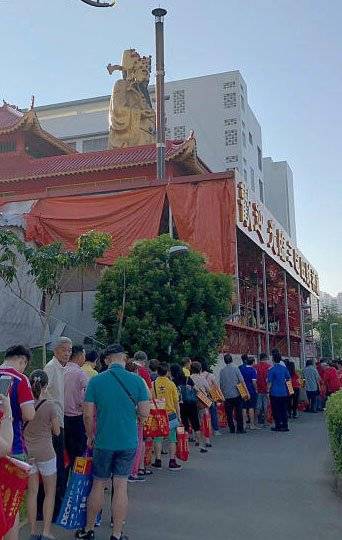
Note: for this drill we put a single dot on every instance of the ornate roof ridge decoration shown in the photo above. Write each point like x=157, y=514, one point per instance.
x=28, y=121
x=183, y=152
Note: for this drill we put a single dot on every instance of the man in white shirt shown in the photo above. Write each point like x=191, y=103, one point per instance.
x=55, y=372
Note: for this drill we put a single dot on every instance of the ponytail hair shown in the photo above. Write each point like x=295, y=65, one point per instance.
x=38, y=380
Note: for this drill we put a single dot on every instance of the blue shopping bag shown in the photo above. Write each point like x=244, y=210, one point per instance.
x=73, y=512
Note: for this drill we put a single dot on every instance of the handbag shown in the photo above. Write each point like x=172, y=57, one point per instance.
x=173, y=421
x=216, y=393
x=188, y=393
x=206, y=426
x=13, y=484
x=221, y=415
x=242, y=389
x=182, y=448
x=290, y=388
x=73, y=512
x=157, y=422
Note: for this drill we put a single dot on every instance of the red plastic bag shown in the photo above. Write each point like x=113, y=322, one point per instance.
x=206, y=425
x=157, y=423
x=182, y=450
x=13, y=484
x=221, y=415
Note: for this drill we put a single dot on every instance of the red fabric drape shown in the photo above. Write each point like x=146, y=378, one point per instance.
x=128, y=217
x=205, y=216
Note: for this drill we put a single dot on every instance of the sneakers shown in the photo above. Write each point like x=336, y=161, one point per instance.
x=86, y=535
x=209, y=445
x=122, y=537
x=139, y=478
x=157, y=464
x=203, y=450
x=217, y=434
x=174, y=466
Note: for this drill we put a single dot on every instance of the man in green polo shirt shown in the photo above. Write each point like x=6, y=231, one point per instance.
x=119, y=398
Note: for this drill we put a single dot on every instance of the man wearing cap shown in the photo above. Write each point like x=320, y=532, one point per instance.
x=119, y=398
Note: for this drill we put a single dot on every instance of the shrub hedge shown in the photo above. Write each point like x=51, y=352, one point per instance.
x=334, y=422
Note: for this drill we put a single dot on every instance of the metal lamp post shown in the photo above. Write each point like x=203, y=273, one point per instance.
x=174, y=251
x=331, y=340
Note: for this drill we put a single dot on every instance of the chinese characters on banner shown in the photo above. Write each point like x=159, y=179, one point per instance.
x=253, y=217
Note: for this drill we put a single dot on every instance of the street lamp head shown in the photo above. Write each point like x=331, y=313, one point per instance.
x=99, y=3
x=177, y=250
x=159, y=12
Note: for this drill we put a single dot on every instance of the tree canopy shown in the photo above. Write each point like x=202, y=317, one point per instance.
x=161, y=302
x=327, y=317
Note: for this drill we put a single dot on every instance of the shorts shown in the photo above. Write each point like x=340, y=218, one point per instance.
x=172, y=438
x=251, y=403
x=117, y=463
x=45, y=468
x=262, y=402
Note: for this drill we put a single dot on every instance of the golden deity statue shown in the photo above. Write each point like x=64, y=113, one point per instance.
x=131, y=115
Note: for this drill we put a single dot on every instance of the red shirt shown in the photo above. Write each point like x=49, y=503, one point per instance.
x=145, y=374
x=20, y=394
x=295, y=381
x=331, y=379
x=262, y=368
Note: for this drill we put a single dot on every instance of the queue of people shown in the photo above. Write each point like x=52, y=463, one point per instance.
x=84, y=402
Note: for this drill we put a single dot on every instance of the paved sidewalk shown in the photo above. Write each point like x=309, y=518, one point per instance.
x=258, y=486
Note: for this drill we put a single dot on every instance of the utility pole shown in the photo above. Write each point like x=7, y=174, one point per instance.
x=159, y=14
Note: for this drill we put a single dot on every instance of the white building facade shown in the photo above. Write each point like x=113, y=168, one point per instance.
x=215, y=107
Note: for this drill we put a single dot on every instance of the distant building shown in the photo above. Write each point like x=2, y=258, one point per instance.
x=329, y=301
x=279, y=196
x=216, y=108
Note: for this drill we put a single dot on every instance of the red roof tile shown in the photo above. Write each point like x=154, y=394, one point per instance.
x=20, y=167
x=9, y=116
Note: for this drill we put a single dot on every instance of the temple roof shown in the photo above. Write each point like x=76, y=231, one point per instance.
x=13, y=120
x=22, y=167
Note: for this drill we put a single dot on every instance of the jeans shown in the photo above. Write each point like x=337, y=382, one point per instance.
x=262, y=404
x=234, y=405
x=214, y=417
x=312, y=397
x=279, y=406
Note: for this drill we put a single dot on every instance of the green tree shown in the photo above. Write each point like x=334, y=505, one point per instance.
x=158, y=302
x=327, y=317
x=47, y=266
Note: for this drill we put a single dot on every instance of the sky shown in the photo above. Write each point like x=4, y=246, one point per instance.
x=288, y=51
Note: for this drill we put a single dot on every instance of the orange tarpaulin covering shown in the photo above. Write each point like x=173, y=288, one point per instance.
x=204, y=215
x=128, y=217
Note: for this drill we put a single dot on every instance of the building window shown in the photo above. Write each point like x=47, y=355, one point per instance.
x=252, y=179
x=229, y=100
x=245, y=175
x=232, y=169
x=179, y=101
x=250, y=136
x=243, y=125
x=228, y=85
x=231, y=136
x=232, y=159
x=242, y=103
x=245, y=161
x=8, y=146
x=261, y=190
x=167, y=133
x=179, y=133
x=95, y=144
x=259, y=159
x=242, y=89
x=244, y=139
x=230, y=122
